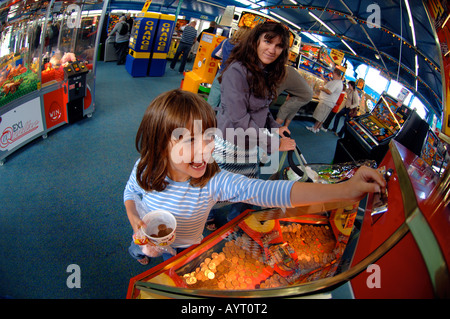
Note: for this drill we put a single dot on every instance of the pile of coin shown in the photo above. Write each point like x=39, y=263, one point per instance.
x=163, y=231
x=242, y=262
x=206, y=270
x=274, y=281
x=314, y=245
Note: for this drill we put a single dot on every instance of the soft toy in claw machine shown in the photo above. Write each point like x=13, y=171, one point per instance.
x=67, y=58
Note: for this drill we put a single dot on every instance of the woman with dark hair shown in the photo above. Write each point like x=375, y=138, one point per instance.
x=255, y=68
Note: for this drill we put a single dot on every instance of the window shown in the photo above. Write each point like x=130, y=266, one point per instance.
x=395, y=88
x=419, y=107
x=376, y=81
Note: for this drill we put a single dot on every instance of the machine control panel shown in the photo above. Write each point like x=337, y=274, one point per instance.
x=75, y=68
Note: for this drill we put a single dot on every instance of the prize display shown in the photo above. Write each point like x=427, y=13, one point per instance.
x=39, y=42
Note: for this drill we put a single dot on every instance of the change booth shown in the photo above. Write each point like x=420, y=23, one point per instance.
x=149, y=44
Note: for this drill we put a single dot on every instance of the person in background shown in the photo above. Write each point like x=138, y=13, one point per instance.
x=225, y=48
x=175, y=172
x=130, y=21
x=121, y=40
x=300, y=93
x=351, y=102
x=211, y=29
x=335, y=109
x=187, y=40
x=329, y=94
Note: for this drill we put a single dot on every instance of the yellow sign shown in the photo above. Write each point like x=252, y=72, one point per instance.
x=146, y=5
x=337, y=56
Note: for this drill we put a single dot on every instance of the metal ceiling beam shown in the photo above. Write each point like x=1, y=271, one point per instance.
x=390, y=58
x=357, y=19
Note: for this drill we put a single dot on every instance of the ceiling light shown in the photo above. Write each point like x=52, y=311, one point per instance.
x=211, y=4
x=314, y=38
x=350, y=48
x=417, y=65
x=245, y=2
x=285, y=20
x=445, y=22
x=321, y=22
x=411, y=22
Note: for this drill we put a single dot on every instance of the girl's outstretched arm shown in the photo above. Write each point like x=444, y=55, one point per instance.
x=366, y=180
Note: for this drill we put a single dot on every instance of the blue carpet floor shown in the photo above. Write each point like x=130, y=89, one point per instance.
x=61, y=197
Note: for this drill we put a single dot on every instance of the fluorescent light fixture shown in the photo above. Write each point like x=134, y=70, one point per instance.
x=349, y=47
x=445, y=22
x=292, y=1
x=211, y=4
x=321, y=22
x=285, y=20
x=411, y=22
x=417, y=65
x=245, y=2
x=314, y=38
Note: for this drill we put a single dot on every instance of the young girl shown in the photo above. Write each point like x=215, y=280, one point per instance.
x=176, y=172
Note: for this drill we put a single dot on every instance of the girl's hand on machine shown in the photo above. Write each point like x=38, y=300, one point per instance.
x=366, y=180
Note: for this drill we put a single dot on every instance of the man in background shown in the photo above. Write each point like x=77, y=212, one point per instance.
x=187, y=40
x=211, y=29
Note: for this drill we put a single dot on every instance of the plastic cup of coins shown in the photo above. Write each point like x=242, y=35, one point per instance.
x=161, y=226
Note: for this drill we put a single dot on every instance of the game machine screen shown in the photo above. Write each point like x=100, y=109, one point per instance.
x=368, y=135
x=433, y=152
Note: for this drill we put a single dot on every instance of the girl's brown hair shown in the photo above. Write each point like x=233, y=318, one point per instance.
x=262, y=84
x=240, y=34
x=167, y=112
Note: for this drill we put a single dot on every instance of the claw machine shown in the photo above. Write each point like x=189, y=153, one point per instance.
x=40, y=39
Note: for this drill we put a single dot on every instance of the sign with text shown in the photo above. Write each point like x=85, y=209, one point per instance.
x=20, y=124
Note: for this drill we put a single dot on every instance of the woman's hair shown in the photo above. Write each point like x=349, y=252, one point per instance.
x=169, y=111
x=262, y=84
x=240, y=34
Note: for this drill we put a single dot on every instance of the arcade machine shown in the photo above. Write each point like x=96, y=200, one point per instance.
x=434, y=152
x=368, y=136
x=75, y=77
x=390, y=245
x=205, y=67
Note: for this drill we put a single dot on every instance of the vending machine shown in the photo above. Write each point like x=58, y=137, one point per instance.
x=205, y=67
x=149, y=44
